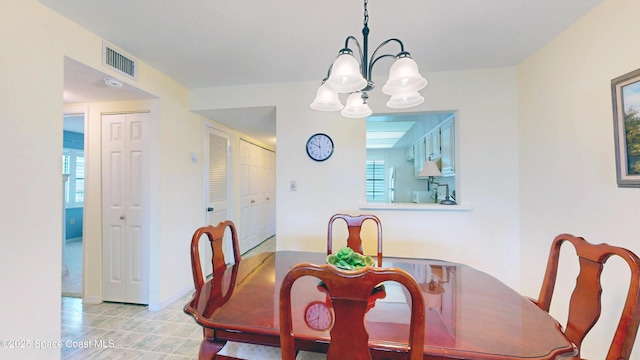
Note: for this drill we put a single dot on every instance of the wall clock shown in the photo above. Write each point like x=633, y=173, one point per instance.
x=319, y=147
x=318, y=316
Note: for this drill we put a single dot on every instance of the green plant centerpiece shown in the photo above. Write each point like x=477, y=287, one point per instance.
x=347, y=259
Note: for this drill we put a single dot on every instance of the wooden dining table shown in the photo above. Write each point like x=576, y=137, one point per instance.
x=470, y=314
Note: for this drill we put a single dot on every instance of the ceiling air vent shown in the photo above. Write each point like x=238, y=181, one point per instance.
x=118, y=60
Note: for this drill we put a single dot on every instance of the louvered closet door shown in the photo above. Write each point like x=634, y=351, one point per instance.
x=218, y=203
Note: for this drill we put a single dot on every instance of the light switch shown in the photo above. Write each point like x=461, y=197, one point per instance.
x=293, y=186
x=194, y=157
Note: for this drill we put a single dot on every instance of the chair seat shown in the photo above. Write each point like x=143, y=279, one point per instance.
x=239, y=350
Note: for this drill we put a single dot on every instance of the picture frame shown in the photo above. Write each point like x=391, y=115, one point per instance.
x=625, y=94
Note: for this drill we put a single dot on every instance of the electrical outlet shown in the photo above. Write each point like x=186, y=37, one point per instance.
x=293, y=186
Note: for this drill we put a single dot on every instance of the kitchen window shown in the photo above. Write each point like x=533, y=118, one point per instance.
x=375, y=181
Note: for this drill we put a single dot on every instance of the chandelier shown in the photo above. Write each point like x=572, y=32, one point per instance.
x=348, y=76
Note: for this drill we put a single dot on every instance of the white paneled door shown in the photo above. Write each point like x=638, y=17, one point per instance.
x=268, y=212
x=125, y=242
x=249, y=200
x=257, y=195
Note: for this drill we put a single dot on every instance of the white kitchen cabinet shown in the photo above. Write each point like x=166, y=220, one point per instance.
x=432, y=144
x=437, y=145
x=409, y=153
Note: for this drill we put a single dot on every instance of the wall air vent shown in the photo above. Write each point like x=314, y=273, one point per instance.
x=118, y=60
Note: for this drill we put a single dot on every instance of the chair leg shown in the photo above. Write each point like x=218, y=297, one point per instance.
x=209, y=347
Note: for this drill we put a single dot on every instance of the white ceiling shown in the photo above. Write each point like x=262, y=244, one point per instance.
x=208, y=43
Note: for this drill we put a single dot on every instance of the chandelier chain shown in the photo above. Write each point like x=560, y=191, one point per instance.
x=366, y=13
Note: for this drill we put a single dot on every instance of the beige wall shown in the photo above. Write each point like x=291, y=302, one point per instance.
x=31, y=192
x=534, y=153
x=567, y=160
x=486, y=154
x=35, y=41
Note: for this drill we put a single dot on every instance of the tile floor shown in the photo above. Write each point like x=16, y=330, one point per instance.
x=123, y=331
x=72, y=281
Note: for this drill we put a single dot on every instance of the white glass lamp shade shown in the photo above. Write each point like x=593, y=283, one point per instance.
x=345, y=75
x=430, y=168
x=404, y=78
x=356, y=107
x=405, y=100
x=326, y=100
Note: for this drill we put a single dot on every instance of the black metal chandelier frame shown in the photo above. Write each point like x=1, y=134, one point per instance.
x=366, y=68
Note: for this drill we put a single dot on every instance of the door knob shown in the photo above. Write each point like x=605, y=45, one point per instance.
x=122, y=217
x=209, y=209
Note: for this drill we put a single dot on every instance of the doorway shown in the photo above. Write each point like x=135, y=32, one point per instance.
x=73, y=172
x=85, y=91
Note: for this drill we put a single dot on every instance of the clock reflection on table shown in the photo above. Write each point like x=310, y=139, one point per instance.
x=318, y=316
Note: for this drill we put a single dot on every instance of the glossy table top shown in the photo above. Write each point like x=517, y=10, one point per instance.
x=470, y=315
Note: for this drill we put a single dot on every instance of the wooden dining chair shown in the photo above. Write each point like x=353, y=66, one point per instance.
x=585, y=304
x=354, y=225
x=350, y=292
x=215, y=234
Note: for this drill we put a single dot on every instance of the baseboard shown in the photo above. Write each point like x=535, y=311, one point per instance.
x=161, y=305
x=92, y=300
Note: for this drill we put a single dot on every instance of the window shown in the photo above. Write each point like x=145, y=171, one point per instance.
x=375, y=181
x=73, y=164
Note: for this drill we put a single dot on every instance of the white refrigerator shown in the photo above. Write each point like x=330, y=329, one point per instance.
x=392, y=184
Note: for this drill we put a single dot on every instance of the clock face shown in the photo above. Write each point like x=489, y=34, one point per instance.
x=318, y=316
x=319, y=147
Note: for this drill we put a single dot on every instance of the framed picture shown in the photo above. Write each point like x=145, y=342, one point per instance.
x=625, y=93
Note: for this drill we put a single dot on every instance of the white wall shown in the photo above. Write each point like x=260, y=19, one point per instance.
x=486, y=158
x=567, y=160
x=31, y=191
x=534, y=158
x=35, y=41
